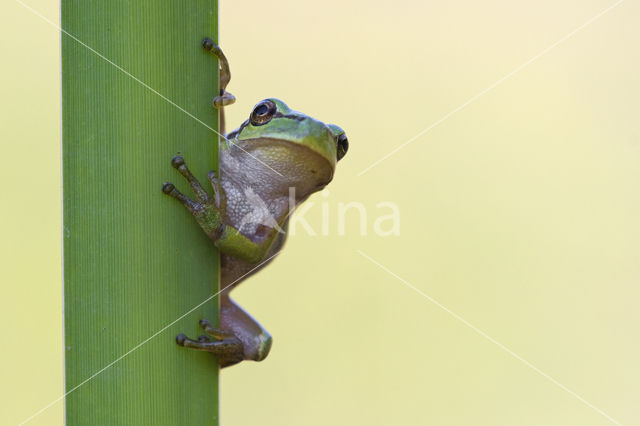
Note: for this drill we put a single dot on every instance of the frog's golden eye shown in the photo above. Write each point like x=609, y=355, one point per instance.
x=263, y=112
x=343, y=146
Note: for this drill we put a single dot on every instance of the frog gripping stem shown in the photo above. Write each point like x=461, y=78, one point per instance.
x=310, y=149
x=205, y=210
x=169, y=189
x=178, y=163
x=225, y=73
x=224, y=98
x=226, y=346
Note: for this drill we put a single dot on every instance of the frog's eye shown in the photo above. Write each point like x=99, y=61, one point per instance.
x=343, y=145
x=263, y=112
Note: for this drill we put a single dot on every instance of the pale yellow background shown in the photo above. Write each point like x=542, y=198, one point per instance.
x=519, y=213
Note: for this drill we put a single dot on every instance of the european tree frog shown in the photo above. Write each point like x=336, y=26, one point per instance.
x=269, y=165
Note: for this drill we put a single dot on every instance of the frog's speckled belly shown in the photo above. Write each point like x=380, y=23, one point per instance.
x=234, y=271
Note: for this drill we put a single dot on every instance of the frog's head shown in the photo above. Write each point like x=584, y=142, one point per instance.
x=303, y=150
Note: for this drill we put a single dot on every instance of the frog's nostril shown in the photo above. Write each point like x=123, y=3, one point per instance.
x=343, y=146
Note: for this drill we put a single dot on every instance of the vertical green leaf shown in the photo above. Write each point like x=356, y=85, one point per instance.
x=134, y=260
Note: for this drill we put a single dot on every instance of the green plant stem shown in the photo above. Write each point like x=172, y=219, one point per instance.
x=134, y=261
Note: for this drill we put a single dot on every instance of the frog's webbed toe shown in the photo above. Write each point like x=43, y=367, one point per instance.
x=225, y=345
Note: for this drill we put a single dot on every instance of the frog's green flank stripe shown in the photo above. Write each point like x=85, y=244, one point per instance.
x=134, y=261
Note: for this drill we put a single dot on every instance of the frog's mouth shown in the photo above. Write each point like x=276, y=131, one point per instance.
x=286, y=164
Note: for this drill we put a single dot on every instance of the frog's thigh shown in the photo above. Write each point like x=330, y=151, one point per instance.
x=256, y=341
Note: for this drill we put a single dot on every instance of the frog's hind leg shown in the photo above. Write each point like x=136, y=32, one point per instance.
x=256, y=340
x=226, y=346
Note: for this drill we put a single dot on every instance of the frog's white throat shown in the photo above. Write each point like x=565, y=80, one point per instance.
x=274, y=168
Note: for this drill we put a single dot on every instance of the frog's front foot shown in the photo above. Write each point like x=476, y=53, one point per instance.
x=205, y=209
x=224, y=98
x=226, y=346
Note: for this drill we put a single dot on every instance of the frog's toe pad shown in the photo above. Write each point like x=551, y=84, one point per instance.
x=208, y=44
x=180, y=339
x=168, y=187
x=224, y=100
x=177, y=161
